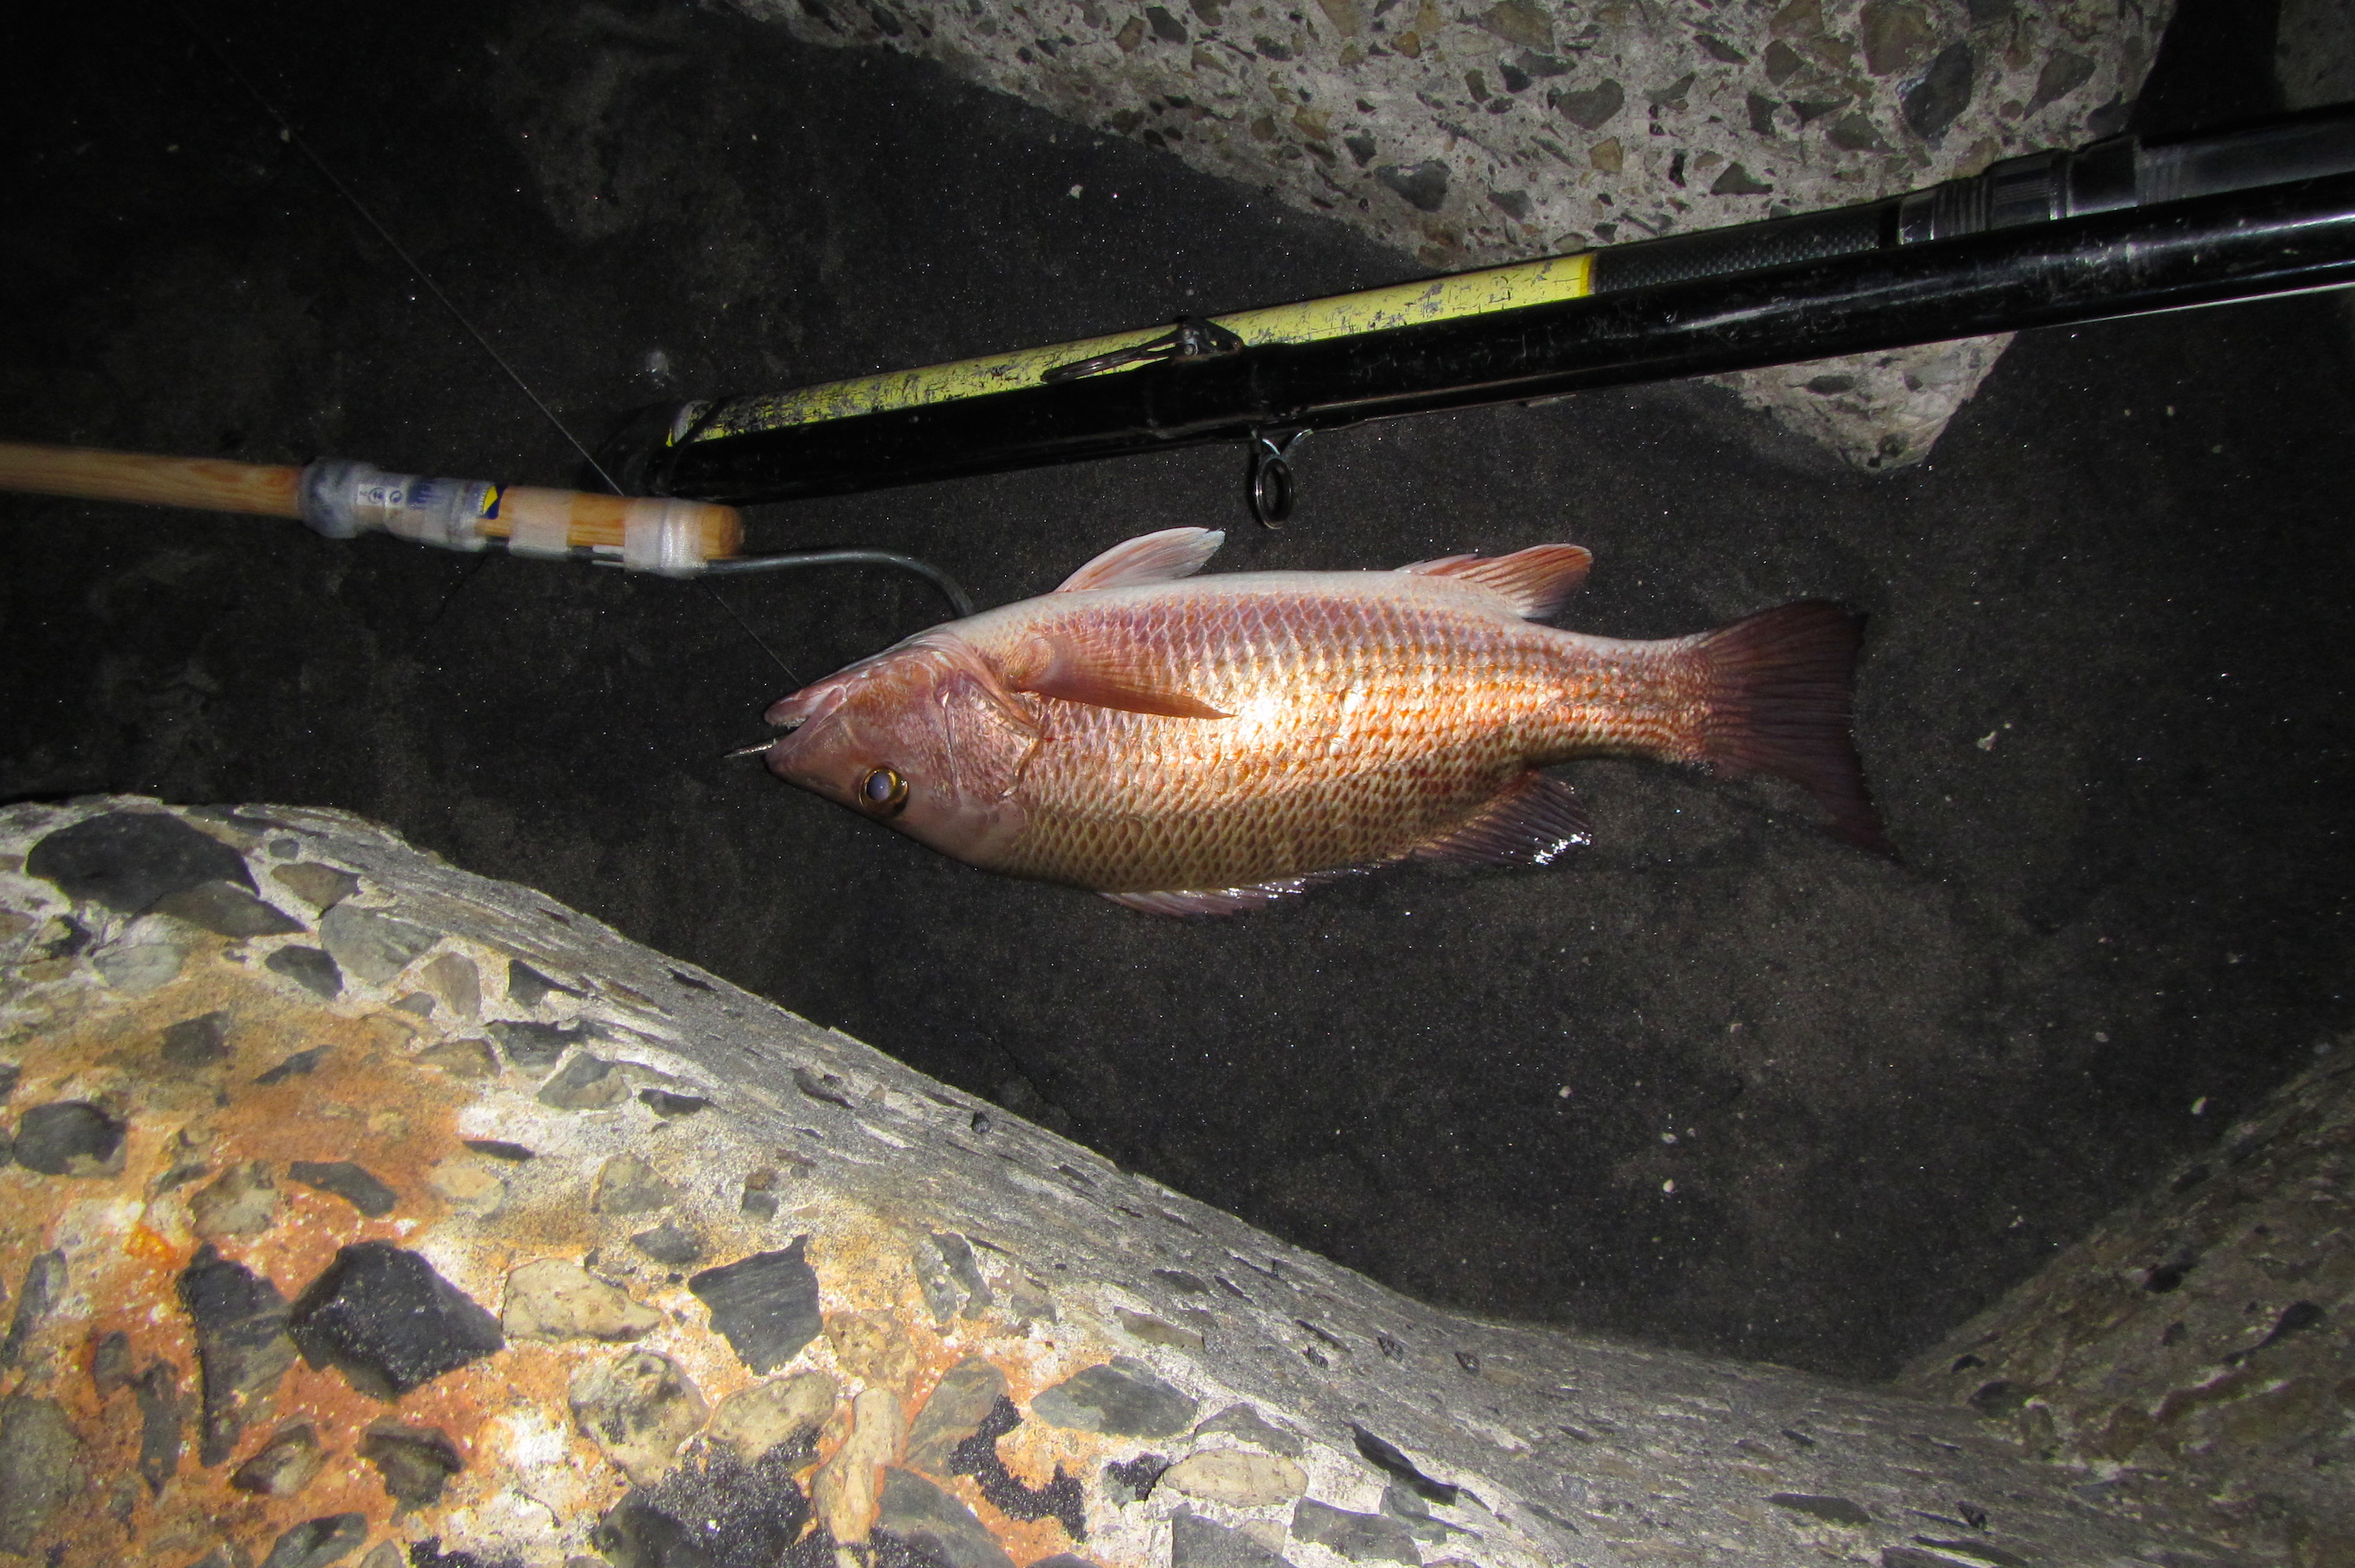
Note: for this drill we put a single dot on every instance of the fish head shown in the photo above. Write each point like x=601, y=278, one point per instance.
x=921, y=737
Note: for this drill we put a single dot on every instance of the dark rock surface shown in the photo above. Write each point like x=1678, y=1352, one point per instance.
x=243, y=1346
x=128, y=860
x=1122, y=1397
x=383, y=1316
x=69, y=1137
x=766, y=1305
x=2104, y=689
x=351, y=1182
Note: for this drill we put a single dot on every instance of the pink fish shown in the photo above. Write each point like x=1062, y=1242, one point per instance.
x=1191, y=745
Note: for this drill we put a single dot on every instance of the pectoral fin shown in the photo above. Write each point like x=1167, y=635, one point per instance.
x=1073, y=668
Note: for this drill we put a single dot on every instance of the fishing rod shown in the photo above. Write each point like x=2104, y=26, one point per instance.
x=2123, y=227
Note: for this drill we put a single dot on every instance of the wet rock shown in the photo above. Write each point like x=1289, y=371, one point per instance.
x=782, y=1411
x=1359, y=1537
x=196, y=1042
x=669, y=1106
x=69, y=1138
x=416, y=1462
x=321, y=886
x=243, y=1348
x=1121, y=1399
x=628, y=1185
x=766, y=1305
x=556, y=1299
x=161, y=1418
x=1129, y=1481
x=638, y=1409
x=669, y=1245
x=284, y=1465
x=353, y=1183
x=963, y=1398
x=586, y=1083
x=389, y=1321
x=309, y=968
x=453, y=978
x=526, y=987
x=40, y=1468
x=461, y=1058
x=301, y=1064
x=1237, y=1477
x=931, y=1521
x=127, y=860
x=1242, y=1421
x=533, y=1046
x=1196, y=1543
x=317, y=1542
x=372, y=944
x=44, y=1287
x=227, y=910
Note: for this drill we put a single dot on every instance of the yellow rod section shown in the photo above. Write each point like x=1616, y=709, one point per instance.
x=1305, y=320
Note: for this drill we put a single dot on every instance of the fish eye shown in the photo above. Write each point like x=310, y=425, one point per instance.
x=883, y=792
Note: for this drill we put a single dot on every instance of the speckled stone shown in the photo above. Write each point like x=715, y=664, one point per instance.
x=845, y=1391
x=1474, y=134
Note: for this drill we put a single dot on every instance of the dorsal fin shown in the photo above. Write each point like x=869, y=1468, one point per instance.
x=1148, y=558
x=1068, y=664
x=1533, y=581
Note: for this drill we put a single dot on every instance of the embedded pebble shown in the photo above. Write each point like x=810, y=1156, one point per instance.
x=765, y=1305
x=556, y=1299
x=755, y=1419
x=69, y=1138
x=227, y=910
x=141, y=966
x=667, y=1243
x=461, y=1058
x=628, y=1185
x=1122, y=1398
x=41, y=1466
x=1242, y=1421
x=416, y=1462
x=959, y=1402
x=585, y=1083
x=638, y=1409
x=241, y=1201
x=389, y=1321
x=309, y=968
x=321, y=886
x=127, y=860
x=532, y=1045
x=370, y=944
x=453, y=978
x=1198, y=1543
x=196, y=1042
x=526, y=987
x=934, y=1522
x=284, y=1465
x=44, y=1285
x=1237, y=1477
x=353, y=1183
x=242, y=1347
x=317, y=1542
x=1359, y=1537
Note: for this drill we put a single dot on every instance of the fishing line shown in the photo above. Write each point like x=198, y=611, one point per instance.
x=296, y=140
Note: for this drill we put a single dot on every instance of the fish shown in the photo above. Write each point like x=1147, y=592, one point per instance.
x=1192, y=745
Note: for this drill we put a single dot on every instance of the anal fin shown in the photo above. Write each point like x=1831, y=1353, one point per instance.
x=1534, y=822
x=1227, y=900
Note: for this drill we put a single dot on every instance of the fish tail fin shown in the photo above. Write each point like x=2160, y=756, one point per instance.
x=1779, y=688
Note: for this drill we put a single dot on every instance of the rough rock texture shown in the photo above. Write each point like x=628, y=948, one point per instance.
x=1472, y=133
x=2195, y=1355
x=955, y=1338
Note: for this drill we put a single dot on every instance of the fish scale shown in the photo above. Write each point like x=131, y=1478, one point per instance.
x=1195, y=745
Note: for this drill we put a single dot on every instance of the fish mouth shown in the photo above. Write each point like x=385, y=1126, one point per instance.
x=808, y=704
